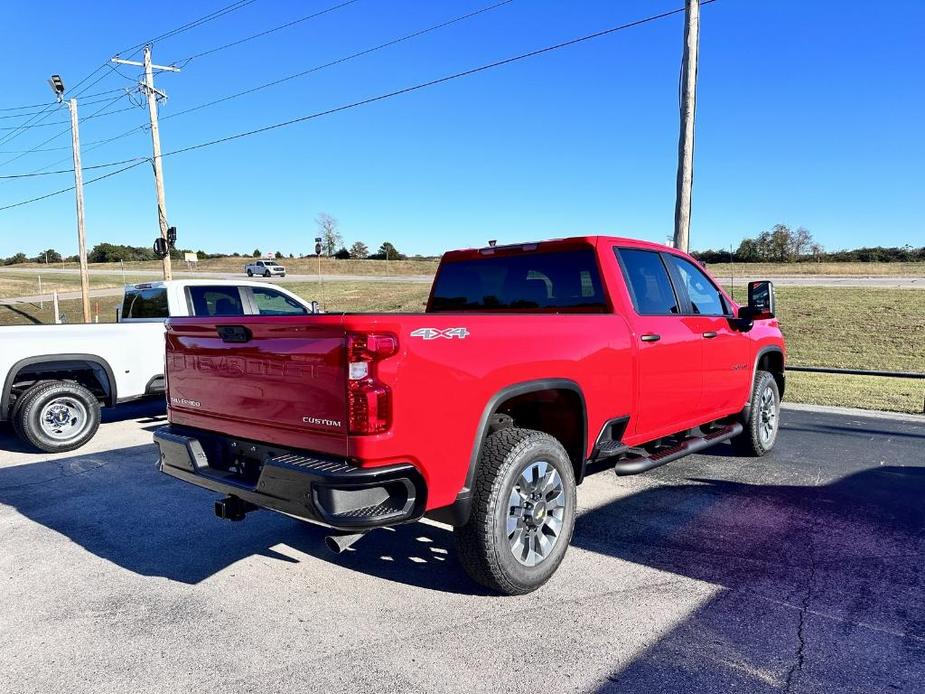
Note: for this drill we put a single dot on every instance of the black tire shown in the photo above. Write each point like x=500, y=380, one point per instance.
x=78, y=413
x=486, y=547
x=18, y=405
x=266, y=274
x=761, y=426
x=250, y=273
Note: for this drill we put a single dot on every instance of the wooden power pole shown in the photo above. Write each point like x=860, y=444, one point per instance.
x=79, y=191
x=152, y=94
x=682, y=206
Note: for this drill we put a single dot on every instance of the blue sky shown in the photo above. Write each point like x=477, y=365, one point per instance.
x=809, y=113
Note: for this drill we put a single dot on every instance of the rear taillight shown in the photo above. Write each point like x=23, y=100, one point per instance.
x=369, y=400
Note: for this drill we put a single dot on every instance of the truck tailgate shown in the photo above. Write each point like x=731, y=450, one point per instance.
x=275, y=380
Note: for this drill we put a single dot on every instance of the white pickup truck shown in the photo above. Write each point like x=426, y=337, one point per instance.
x=55, y=378
x=265, y=268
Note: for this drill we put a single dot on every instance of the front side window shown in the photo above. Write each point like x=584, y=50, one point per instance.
x=215, y=301
x=647, y=278
x=271, y=302
x=704, y=296
x=145, y=303
x=558, y=280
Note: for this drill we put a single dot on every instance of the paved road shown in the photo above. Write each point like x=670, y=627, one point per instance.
x=910, y=282
x=117, y=291
x=801, y=571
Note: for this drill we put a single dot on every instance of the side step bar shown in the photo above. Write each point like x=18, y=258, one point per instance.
x=633, y=464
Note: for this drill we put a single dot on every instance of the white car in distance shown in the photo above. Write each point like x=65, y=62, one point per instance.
x=265, y=268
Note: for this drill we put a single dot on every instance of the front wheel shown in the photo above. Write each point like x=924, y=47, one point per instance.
x=266, y=274
x=58, y=416
x=523, y=512
x=761, y=426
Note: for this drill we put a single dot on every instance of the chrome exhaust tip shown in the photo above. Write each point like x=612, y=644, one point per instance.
x=341, y=543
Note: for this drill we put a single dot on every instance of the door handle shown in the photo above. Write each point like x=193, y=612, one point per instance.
x=650, y=337
x=709, y=335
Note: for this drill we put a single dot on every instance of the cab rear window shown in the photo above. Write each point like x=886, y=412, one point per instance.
x=145, y=303
x=558, y=281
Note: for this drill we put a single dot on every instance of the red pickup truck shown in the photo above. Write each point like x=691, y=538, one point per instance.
x=530, y=362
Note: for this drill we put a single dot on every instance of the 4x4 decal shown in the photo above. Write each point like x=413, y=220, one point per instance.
x=434, y=333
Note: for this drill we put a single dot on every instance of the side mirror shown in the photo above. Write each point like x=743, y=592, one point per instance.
x=761, y=302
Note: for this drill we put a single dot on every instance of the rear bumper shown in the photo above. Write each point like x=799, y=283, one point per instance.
x=324, y=490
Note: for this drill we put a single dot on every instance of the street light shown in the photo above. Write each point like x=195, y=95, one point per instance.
x=57, y=86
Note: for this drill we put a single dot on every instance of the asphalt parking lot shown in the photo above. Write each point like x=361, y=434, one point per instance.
x=801, y=571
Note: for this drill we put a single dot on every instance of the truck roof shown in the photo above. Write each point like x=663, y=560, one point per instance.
x=565, y=243
x=158, y=284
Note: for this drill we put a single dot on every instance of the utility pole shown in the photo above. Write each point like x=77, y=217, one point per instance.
x=153, y=93
x=57, y=86
x=682, y=208
x=79, y=192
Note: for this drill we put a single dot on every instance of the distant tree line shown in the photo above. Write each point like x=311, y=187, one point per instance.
x=781, y=244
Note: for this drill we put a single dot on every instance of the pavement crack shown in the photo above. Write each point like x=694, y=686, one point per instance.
x=62, y=474
x=797, y=668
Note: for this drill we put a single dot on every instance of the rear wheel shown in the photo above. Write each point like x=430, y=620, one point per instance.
x=266, y=274
x=17, y=407
x=760, y=430
x=250, y=273
x=523, y=512
x=57, y=416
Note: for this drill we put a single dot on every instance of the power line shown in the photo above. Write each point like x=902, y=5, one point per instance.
x=65, y=190
x=25, y=125
x=434, y=82
x=62, y=122
x=265, y=33
x=177, y=30
x=338, y=61
x=82, y=103
x=382, y=97
x=221, y=12
x=20, y=108
x=71, y=170
x=59, y=134
x=87, y=147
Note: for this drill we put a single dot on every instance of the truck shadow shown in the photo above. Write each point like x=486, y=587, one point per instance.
x=836, y=566
x=117, y=506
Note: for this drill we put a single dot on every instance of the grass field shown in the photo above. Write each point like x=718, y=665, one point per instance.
x=723, y=270
x=841, y=327
x=20, y=284
x=309, y=266
x=331, y=266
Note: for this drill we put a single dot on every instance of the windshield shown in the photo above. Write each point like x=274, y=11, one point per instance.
x=558, y=281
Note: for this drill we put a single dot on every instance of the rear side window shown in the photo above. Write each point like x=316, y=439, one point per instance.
x=647, y=277
x=562, y=281
x=145, y=303
x=271, y=302
x=704, y=296
x=215, y=301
